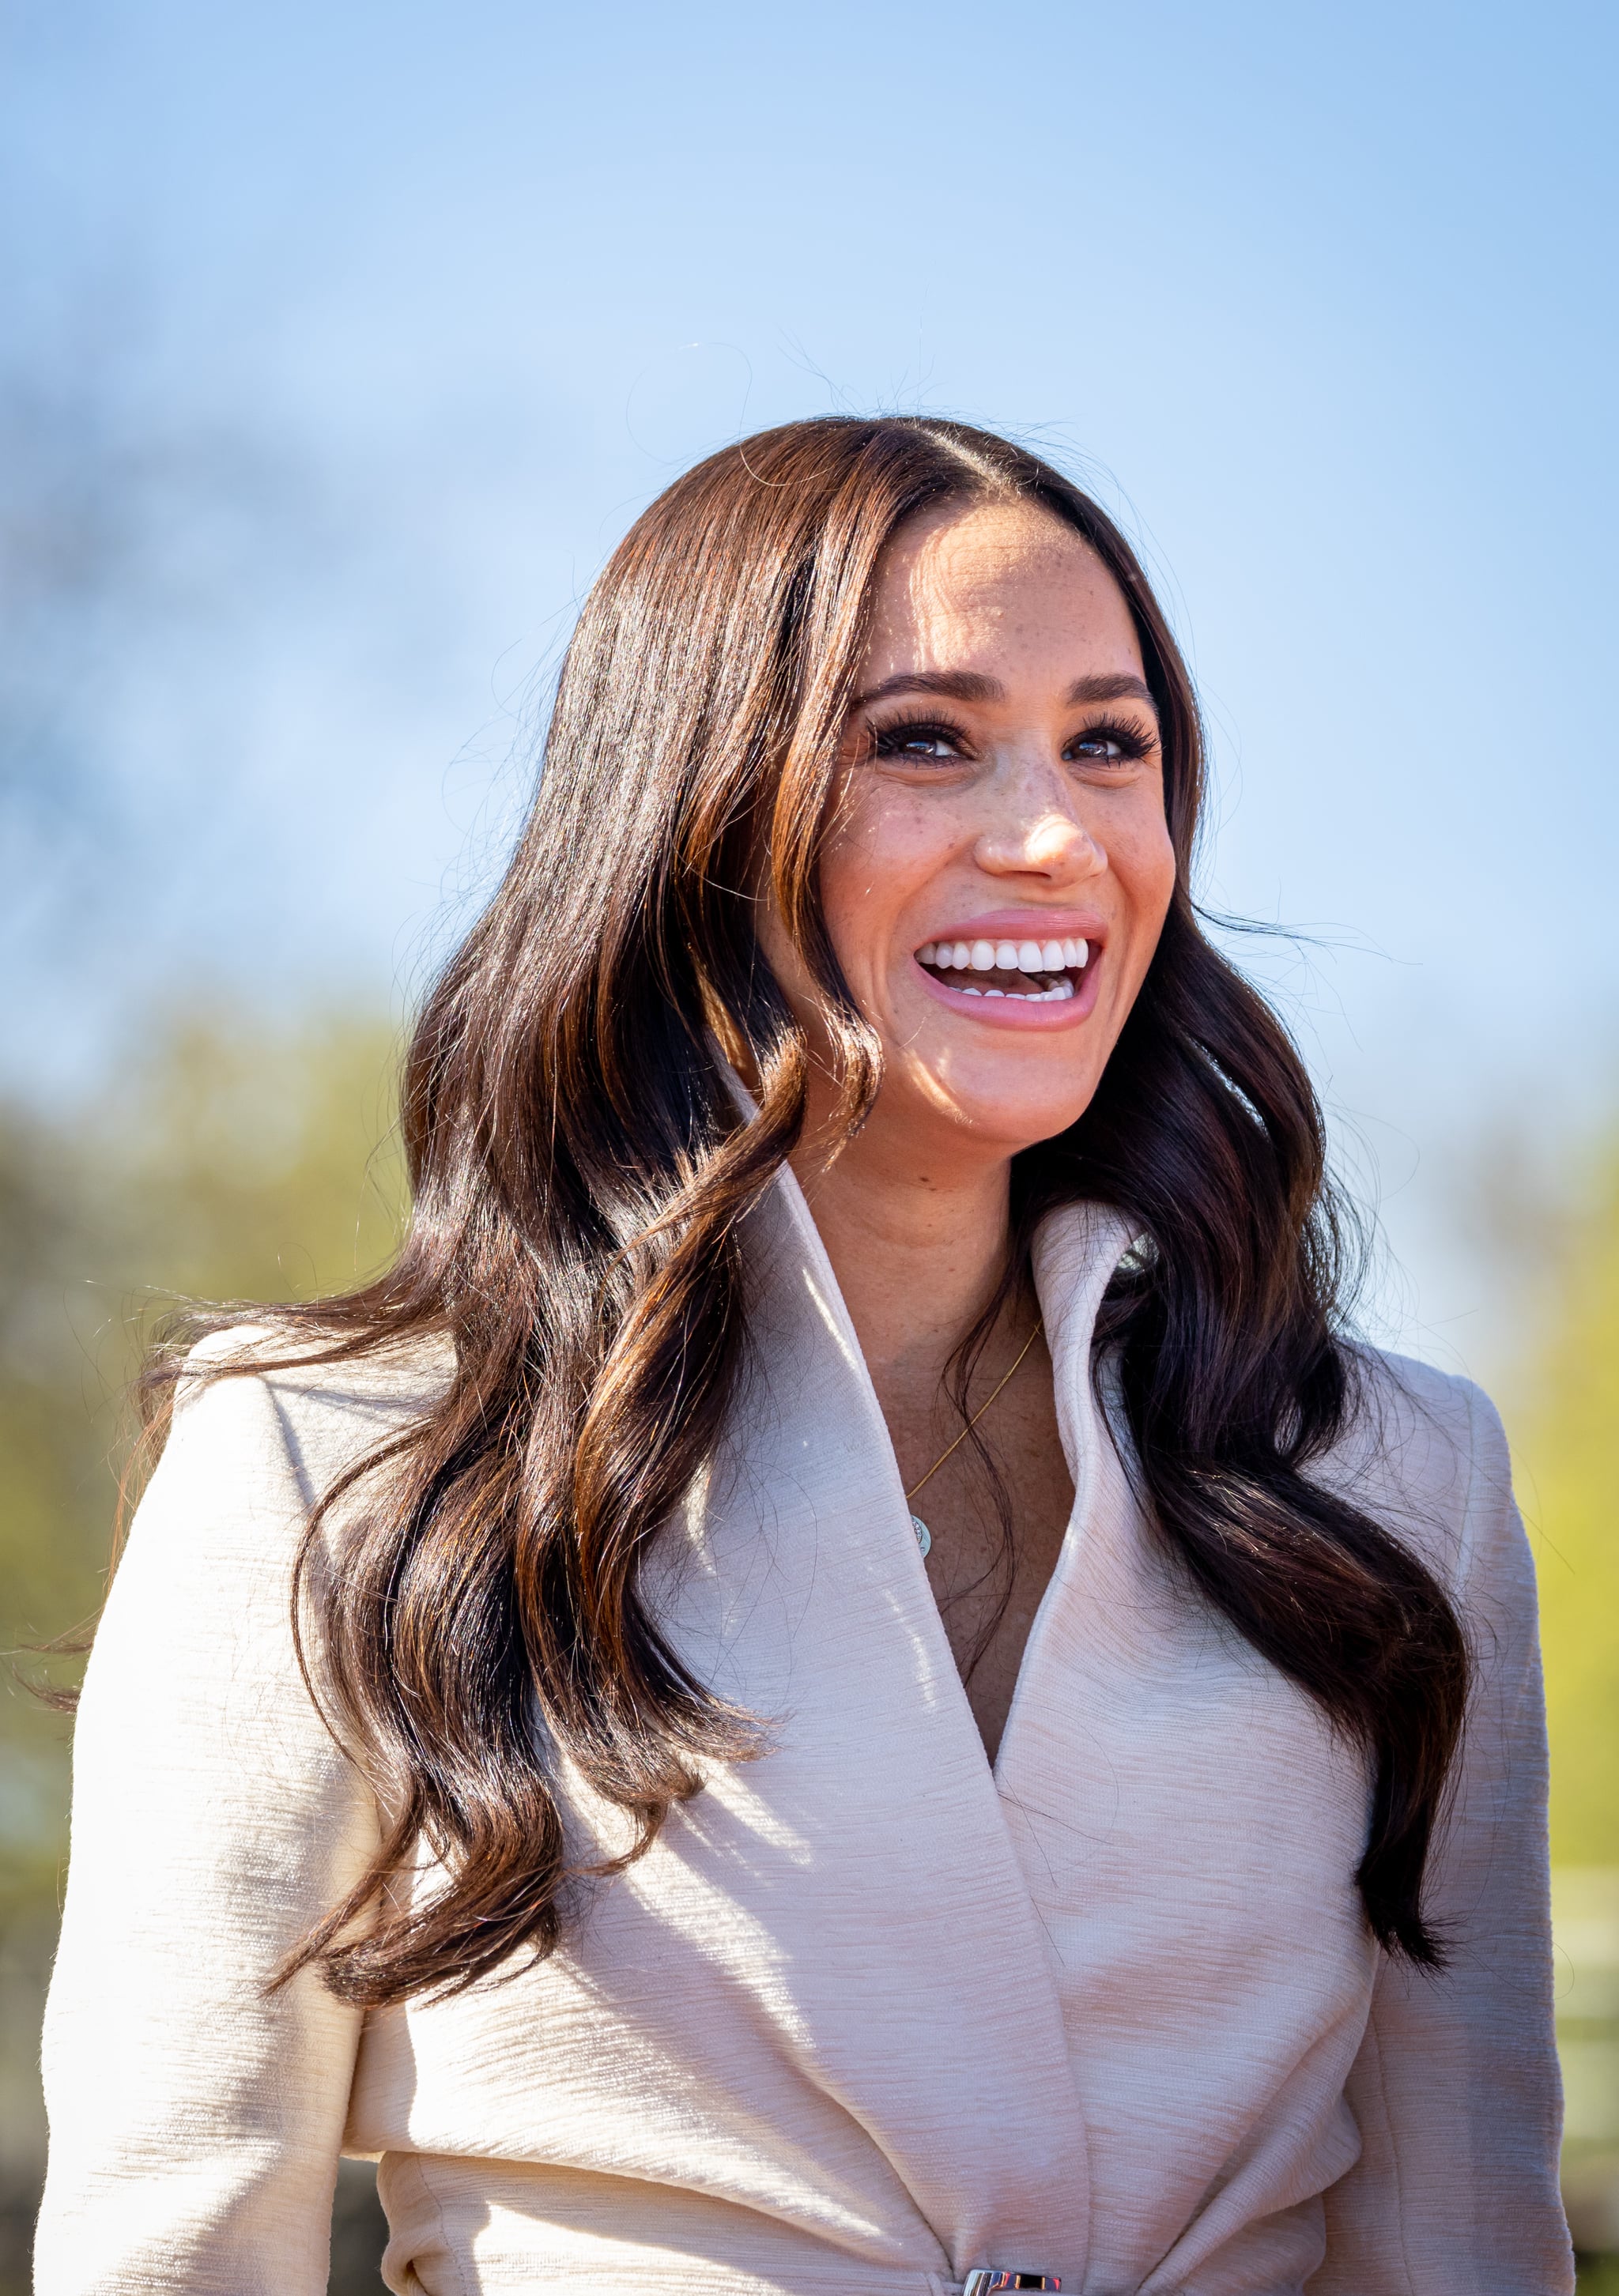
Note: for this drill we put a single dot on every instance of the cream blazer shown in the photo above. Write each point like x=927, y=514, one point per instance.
x=870, y=2015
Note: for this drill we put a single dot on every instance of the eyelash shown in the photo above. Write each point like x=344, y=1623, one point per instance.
x=1132, y=743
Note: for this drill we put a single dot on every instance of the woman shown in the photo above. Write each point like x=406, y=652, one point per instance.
x=839, y=1682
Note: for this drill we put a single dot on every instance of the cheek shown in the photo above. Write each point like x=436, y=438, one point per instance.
x=1143, y=868
x=883, y=850
x=1144, y=861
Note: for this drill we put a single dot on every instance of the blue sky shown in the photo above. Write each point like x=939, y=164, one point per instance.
x=1319, y=302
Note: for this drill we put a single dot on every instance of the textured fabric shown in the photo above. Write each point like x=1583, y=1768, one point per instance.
x=869, y=2014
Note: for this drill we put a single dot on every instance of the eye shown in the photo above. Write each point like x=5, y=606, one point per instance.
x=923, y=740
x=1116, y=743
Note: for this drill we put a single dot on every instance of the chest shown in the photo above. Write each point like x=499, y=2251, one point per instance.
x=996, y=1501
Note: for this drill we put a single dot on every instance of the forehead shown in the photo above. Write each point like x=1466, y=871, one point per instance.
x=1001, y=586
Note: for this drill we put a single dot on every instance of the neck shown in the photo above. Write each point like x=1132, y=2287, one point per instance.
x=916, y=1258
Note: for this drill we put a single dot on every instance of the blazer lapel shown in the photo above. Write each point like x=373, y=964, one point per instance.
x=1076, y=1251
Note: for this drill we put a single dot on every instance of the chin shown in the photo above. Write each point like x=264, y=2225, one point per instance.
x=1026, y=1129
x=998, y=1109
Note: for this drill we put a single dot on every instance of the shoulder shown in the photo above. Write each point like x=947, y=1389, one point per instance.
x=1424, y=1452
x=257, y=1439
x=271, y=1404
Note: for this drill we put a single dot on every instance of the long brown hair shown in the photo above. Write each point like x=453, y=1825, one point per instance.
x=580, y=1173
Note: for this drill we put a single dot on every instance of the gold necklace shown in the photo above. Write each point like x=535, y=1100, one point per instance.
x=924, y=1536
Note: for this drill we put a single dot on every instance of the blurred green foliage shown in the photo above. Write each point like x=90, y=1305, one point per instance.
x=228, y=1164
x=1566, y=1459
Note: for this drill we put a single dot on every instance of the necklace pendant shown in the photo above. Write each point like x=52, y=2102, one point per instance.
x=924, y=1536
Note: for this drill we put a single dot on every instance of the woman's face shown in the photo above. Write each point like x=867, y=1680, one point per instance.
x=999, y=865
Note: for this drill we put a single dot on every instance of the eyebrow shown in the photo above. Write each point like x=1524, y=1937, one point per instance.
x=972, y=686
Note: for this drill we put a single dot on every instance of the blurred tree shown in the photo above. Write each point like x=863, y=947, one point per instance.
x=1567, y=1456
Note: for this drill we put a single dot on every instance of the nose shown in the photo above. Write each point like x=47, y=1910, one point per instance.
x=1037, y=832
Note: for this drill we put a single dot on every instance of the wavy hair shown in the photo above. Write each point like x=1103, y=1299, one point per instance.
x=580, y=1175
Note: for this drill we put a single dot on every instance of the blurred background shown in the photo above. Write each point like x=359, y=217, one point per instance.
x=339, y=345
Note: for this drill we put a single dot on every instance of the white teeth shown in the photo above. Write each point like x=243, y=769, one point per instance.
x=1009, y=957
x=993, y=992
x=968, y=990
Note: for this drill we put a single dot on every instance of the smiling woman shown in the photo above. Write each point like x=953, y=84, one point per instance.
x=573, y=1772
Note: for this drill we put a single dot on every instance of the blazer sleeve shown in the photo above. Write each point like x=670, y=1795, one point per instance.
x=196, y=2120
x=1455, y=2088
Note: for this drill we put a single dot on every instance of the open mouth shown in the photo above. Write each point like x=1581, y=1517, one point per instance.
x=1037, y=971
